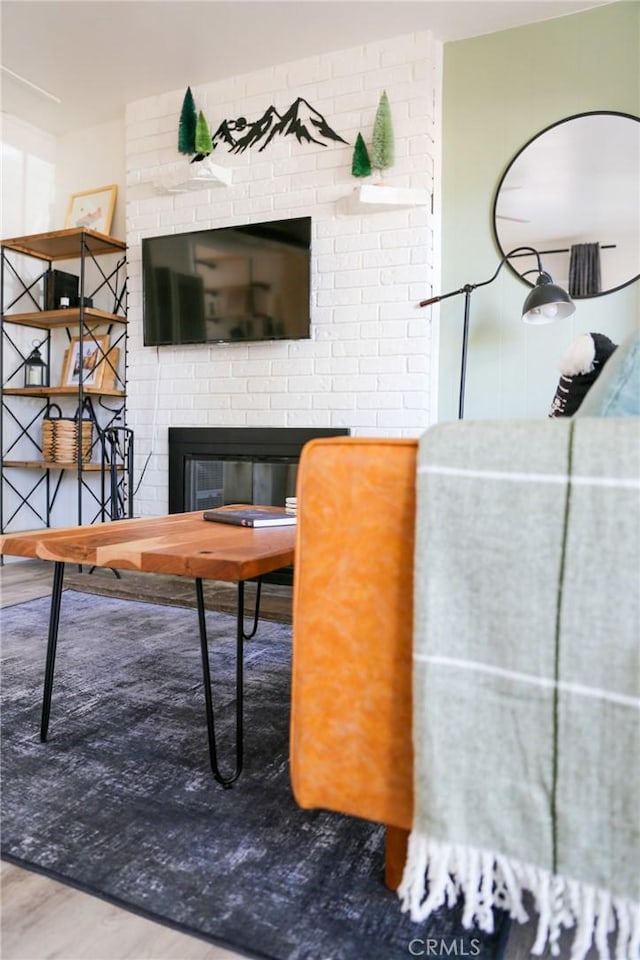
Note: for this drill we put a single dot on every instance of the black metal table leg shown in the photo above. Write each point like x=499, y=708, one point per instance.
x=256, y=612
x=54, y=620
x=208, y=698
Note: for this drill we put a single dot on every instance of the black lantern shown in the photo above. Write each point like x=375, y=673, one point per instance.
x=36, y=372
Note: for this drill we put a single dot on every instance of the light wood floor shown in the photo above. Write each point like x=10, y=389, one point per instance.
x=44, y=920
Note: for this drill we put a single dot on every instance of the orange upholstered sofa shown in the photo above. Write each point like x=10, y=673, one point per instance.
x=351, y=745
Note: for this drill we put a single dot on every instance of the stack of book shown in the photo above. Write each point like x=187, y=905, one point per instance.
x=291, y=505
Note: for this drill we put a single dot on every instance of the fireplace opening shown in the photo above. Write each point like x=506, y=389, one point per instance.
x=212, y=482
x=214, y=466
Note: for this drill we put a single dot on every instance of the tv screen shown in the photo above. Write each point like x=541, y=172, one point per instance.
x=226, y=284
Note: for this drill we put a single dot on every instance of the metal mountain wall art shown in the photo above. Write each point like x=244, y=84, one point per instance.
x=301, y=121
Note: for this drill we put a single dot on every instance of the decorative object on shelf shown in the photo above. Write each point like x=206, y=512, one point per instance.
x=107, y=378
x=203, y=142
x=89, y=368
x=300, y=120
x=361, y=162
x=92, y=209
x=545, y=303
x=187, y=125
x=36, y=371
x=380, y=158
x=383, y=147
x=110, y=369
x=59, y=285
x=60, y=437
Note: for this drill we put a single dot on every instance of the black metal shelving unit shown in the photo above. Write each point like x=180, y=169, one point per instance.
x=30, y=483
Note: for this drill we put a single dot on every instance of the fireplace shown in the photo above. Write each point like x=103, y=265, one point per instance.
x=212, y=466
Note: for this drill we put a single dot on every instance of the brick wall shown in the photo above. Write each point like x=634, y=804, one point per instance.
x=371, y=361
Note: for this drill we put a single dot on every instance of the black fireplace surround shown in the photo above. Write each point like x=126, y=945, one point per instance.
x=212, y=466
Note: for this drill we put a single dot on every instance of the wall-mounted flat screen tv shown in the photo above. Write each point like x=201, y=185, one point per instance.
x=249, y=282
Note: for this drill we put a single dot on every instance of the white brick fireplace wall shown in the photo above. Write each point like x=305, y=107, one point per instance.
x=371, y=362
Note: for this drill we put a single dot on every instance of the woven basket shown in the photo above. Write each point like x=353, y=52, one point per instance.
x=60, y=437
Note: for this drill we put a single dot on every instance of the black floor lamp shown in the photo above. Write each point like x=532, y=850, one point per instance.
x=545, y=303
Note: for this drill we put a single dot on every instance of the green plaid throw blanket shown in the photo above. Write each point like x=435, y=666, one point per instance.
x=527, y=679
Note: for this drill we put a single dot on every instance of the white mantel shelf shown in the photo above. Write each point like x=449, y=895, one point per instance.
x=374, y=196
x=182, y=176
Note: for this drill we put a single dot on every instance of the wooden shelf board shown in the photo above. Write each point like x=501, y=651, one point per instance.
x=51, y=465
x=45, y=319
x=64, y=244
x=61, y=392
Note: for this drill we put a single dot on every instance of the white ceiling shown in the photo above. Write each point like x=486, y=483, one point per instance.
x=97, y=55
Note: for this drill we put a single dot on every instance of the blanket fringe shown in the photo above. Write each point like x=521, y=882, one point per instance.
x=437, y=873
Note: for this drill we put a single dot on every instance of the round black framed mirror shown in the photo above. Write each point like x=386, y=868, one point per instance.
x=573, y=193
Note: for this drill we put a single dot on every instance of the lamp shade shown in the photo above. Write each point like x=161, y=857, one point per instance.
x=547, y=302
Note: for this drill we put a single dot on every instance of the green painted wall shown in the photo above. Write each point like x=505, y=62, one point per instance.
x=499, y=91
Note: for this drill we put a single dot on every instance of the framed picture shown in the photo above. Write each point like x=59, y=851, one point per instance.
x=92, y=209
x=110, y=373
x=88, y=367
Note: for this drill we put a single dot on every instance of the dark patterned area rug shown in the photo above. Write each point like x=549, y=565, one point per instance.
x=121, y=802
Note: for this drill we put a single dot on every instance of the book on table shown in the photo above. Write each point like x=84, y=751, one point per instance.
x=251, y=516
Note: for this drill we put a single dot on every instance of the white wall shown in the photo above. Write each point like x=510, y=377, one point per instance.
x=28, y=178
x=88, y=158
x=27, y=196
x=371, y=360
x=40, y=172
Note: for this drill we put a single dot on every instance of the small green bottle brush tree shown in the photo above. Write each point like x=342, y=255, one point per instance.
x=203, y=136
x=360, y=164
x=383, y=152
x=187, y=125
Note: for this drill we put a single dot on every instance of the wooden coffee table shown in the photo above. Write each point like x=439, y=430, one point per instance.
x=182, y=544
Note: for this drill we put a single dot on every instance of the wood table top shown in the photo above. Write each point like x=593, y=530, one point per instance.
x=182, y=544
